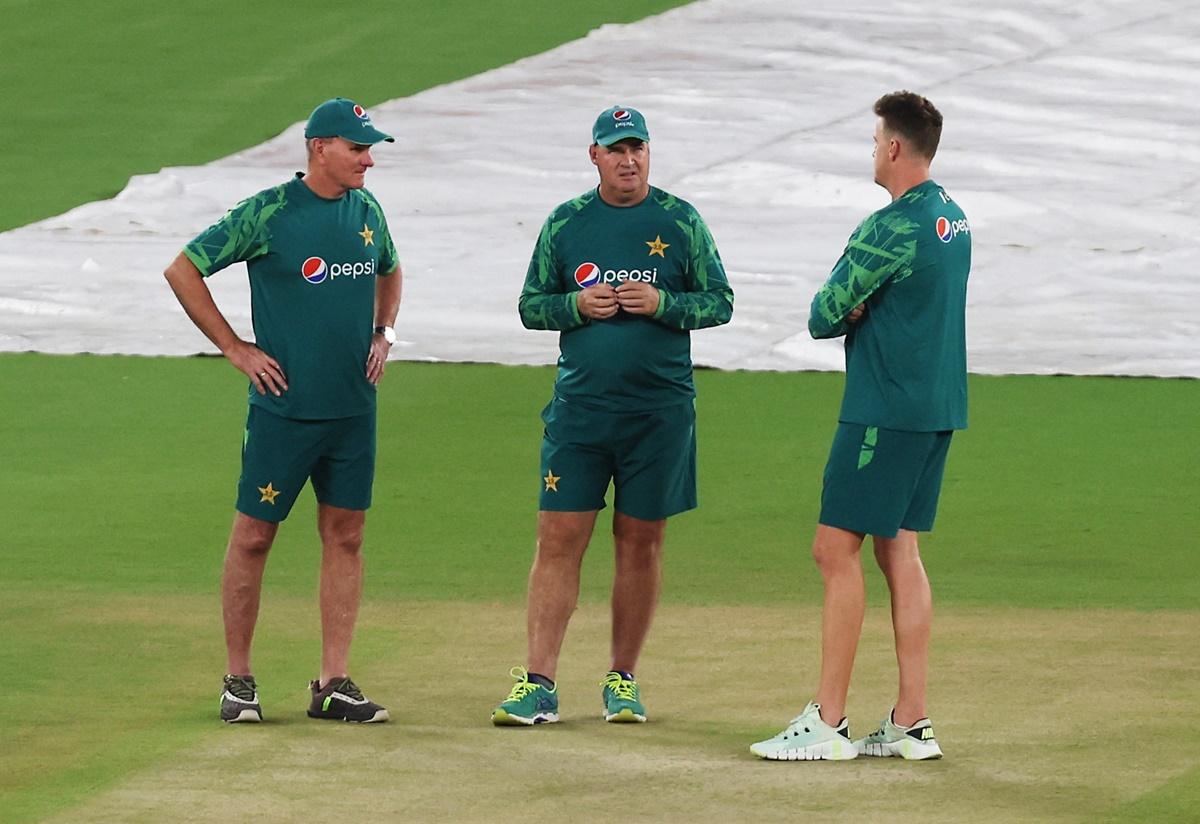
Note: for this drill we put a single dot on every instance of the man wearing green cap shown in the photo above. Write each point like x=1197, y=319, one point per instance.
x=324, y=294
x=623, y=272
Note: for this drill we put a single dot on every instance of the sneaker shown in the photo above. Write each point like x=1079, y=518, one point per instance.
x=342, y=700
x=808, y=738
x=915, y=743
x=621, y=704
x=528, y=703
x=239, y=701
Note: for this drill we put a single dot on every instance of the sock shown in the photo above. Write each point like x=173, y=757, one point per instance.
x=538, y=678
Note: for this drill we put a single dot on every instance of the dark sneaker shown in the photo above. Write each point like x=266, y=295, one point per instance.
x=342, y=700
x=239, y=701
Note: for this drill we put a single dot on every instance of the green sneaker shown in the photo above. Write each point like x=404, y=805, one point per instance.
x=808, y=738
x=621, y=704
x=915, y=743
x=528, y=703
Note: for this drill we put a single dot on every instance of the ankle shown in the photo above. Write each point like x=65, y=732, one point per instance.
x=905, y=717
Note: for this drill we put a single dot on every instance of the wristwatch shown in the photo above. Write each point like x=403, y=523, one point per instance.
x=389, y=334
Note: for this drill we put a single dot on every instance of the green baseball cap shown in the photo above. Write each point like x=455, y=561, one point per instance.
x=344, y=118
x=619, y=123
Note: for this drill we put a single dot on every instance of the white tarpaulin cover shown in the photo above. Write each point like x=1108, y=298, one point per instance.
x=1070, y=141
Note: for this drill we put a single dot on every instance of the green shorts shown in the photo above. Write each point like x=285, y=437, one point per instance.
x=280, y=454
x=650, y=458
x=879, y=481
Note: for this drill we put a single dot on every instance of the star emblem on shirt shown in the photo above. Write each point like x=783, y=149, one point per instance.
x=657, y=246
x=268, y=494
x=551, y=480
x=368, y=235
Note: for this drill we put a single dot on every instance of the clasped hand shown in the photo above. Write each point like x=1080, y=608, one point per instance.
x=602, y=300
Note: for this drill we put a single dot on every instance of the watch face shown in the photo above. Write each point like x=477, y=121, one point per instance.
x=389, y=334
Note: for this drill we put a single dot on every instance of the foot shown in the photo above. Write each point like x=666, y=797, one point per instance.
x=621, y=704
x=528, y=703
x=342, y=700
x=915, y=743
x=808, y=738
x=239, y=701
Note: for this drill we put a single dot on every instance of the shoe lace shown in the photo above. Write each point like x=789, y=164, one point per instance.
x=349, y=689
x=523, y=686
x=239, y=687
x=621, y=686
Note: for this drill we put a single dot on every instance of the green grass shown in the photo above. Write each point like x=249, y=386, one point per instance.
x=113, y=89
x=1176, y=801
x=1062, y=493
x=125, y=730
x=117, y=479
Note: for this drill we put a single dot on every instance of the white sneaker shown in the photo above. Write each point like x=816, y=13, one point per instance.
x=808, y=738
x=915, y=743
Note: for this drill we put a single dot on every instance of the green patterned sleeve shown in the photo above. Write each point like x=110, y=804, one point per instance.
x=543, y=303
x=882, y=247
x=708, y=298
x=239, y=235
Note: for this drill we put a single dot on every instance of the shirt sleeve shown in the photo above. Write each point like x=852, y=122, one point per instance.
x=239, y=235
x=707, y=299
x=882, y=247
x=543, y=303
x=388, y=258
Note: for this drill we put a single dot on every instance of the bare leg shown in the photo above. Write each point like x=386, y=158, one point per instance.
x=636, y=584
x=241, y=587
x=837, y=553
x=912, y=615
x=562, y=538
x=341, y=585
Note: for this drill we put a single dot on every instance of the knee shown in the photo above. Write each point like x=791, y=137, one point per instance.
x=256, y=545
x=832, y=557
x=252, y=539
x=891, y=553
x=554, y=549
x=638, y=548
x=345, y=541
x=643, y=555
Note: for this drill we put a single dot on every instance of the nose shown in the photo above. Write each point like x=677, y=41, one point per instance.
x=367, y=161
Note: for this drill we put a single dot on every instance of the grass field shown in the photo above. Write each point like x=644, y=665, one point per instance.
x=112, y=89
x=1064, y=683
x=1058, y=579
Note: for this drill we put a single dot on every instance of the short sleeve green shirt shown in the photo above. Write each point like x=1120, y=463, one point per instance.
x=312, y=264
x=906, y=358
x=627, y=362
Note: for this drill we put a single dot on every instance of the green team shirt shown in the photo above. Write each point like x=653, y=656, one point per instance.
x=906, y=358
x=626, y=362
x=312, y=263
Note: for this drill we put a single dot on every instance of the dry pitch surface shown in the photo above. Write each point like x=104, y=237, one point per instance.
x=1045, y=715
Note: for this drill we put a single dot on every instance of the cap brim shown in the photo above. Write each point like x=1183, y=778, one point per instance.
x=630, y=134
x=369, y=136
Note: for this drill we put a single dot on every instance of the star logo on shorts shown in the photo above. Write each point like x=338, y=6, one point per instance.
x=367, y=235
x=657, y=247
x=551, y=480
x=269, y=494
